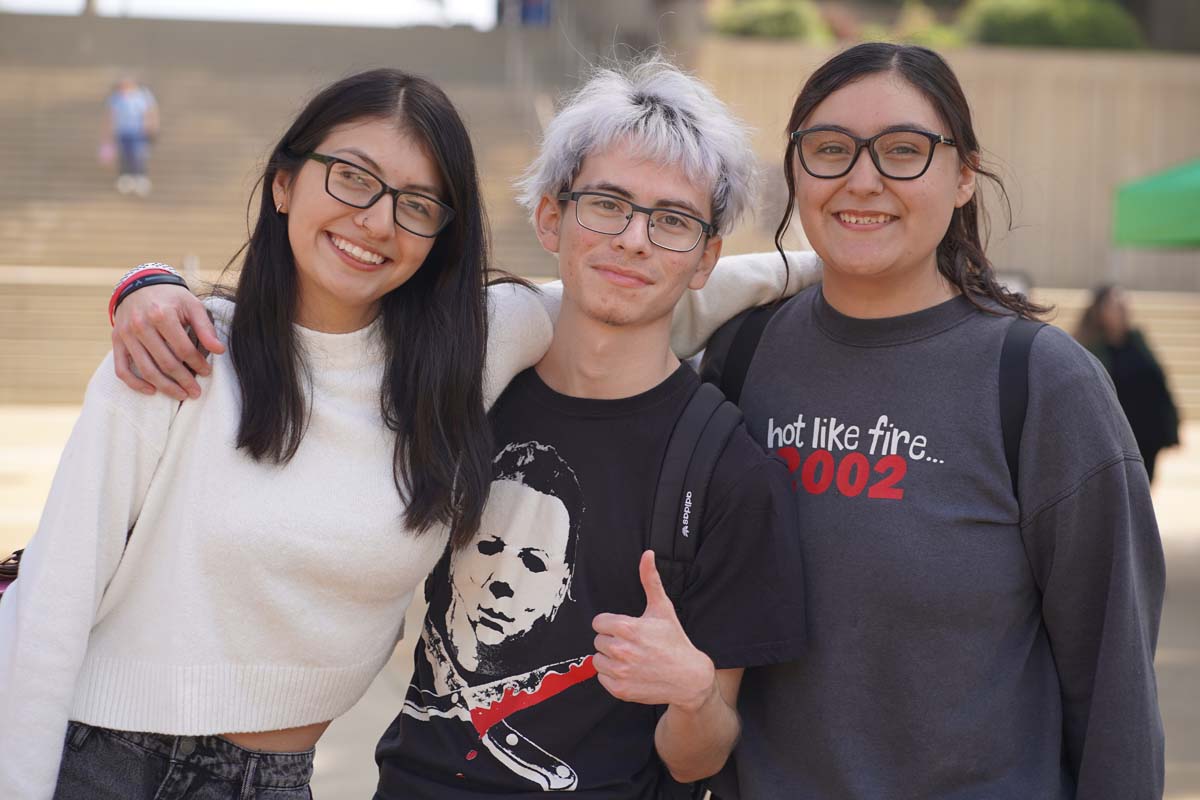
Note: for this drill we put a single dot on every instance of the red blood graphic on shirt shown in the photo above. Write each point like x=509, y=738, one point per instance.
x=471, y=755
x=513, y=700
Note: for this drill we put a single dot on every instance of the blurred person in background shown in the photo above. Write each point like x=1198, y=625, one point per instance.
x=132, y=124
x=1141, y=384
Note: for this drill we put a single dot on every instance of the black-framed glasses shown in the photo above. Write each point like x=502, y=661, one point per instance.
x=356, y=186
x=903, y=154
x=666, y=227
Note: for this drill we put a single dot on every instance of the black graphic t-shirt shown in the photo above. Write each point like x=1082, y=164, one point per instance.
x=504, y=698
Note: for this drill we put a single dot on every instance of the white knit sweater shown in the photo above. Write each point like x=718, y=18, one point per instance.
x=250, y=597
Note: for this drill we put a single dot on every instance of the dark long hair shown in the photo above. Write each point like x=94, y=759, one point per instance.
x=960, y=255
x=434, y=326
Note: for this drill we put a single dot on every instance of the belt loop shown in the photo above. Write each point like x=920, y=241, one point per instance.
x=248, y=779
x=79, y=735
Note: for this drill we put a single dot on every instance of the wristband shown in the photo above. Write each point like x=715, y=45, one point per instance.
x=141, y=270
x=115, y=298
x=149, y=265
x=141, y=282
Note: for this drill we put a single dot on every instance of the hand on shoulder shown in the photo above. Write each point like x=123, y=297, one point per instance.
x=152, y=351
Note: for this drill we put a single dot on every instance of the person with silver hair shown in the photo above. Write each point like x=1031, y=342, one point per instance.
x=595, y=680
x=660, y=114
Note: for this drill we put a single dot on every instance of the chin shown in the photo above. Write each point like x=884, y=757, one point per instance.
x=857, y=265
x=611, y=314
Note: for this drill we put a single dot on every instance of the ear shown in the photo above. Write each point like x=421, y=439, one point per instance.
x=547, y=222
x=966, y=181
x=708, y=260
x=281, y=189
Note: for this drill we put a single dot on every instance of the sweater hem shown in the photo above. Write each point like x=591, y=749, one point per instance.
x=196, y=700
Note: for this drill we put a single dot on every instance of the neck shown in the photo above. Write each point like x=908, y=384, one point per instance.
x=325, y=319
x=592, y=359
x=879, y=296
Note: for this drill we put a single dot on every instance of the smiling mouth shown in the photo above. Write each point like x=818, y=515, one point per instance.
x=359, y=254
x=622, y=277
x=864, y=219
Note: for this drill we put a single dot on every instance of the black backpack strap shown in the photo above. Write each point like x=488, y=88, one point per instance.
x=695, y=445
x=1014, y=388
x=730, y=351
x=676, y=527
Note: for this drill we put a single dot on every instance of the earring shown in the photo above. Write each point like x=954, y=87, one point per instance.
x=279, y=208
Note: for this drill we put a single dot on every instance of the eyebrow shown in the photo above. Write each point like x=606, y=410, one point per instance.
x=900, y=126
x=613, y=188
x=373, y=164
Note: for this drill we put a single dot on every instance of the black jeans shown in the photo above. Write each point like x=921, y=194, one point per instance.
x=103, y=764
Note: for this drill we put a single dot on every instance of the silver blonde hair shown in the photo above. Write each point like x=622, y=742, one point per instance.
x=668, y=117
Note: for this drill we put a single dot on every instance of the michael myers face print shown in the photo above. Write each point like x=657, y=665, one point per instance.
x=518, y=570
x=486, y=663
x=514, y=583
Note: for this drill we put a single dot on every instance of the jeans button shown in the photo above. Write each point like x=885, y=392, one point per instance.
x=187, y=745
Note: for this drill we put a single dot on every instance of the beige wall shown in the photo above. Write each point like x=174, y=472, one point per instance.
x=1065, y=128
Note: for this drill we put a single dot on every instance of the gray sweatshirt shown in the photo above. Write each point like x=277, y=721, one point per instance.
x=962, y=644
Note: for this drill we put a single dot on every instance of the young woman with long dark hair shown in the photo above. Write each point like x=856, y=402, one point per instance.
x=971, y=636
x=212, y=582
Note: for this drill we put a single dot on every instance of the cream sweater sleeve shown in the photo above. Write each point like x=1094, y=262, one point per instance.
x=519, y=332
x=46, y=616
x=736, y=284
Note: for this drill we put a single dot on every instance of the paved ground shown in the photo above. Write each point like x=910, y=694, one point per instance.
x=31, y=438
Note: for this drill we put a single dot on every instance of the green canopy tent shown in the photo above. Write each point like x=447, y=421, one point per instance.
x=1161, y=210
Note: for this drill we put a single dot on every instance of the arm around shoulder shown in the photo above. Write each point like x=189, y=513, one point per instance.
x=519, y=332
x=736, y=284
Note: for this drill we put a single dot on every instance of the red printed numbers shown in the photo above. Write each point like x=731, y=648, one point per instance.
x=852, y=473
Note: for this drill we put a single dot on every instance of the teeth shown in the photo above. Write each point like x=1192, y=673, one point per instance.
x=366, y=256
x=857, y=220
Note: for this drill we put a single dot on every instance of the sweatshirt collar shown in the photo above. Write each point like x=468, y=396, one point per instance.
x=889, y=331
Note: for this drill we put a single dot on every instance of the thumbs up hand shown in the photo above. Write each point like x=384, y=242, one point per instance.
x=649, y=659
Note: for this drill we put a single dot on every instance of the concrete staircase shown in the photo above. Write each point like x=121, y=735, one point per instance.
x=226, y=92
x=59, y=206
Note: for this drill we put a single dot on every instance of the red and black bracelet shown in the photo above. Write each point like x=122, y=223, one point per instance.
x=139, y=278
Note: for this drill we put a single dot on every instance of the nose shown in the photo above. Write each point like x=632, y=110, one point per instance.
x=500, y=590
x=377, y=219
x=864, y=178
x=636, y=236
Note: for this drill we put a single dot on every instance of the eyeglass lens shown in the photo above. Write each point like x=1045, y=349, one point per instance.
x=900, y=154
x=359, y=188
x=668, y=229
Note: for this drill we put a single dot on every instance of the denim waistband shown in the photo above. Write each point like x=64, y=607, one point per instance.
x=220, y=757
